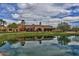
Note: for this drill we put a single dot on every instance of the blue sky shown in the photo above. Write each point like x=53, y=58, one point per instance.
x=44, y=12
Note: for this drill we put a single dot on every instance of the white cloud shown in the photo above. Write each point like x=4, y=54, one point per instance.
x=40, y=11
x=23, y=5
x=10, y=9
x=15, y=16
x=43, y=12
x=43, y=9
x=71, y=19
x=9, y=21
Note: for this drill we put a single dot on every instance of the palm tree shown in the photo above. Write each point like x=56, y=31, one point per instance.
x=4, y=22
x=1, y=21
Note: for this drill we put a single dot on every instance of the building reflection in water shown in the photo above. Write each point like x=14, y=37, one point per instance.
x=63, y=40
x=40, y=41
x=22, y=43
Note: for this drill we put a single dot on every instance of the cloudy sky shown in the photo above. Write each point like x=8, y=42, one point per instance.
x=47, y=13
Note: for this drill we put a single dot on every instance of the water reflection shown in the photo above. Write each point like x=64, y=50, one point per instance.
x=12, y=41
x=76, y=38
x=2, y=43
x=63, y=40
x=41, y=45
x=22, y=43
x=40, y=41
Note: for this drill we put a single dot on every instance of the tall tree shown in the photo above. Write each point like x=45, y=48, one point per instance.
x=63, y=26
x=75, y=29
x=13, y=25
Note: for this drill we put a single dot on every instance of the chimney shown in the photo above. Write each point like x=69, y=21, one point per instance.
x=22, y=22
x=39, y=23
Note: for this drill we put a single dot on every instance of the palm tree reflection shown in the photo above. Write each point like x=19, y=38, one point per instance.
x=2, y=43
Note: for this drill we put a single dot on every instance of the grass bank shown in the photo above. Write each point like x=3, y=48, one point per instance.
x=15, y=35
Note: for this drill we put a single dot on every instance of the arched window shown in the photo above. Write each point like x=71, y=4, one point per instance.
x=39, y=29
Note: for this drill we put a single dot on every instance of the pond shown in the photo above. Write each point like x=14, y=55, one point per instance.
x=41, y=46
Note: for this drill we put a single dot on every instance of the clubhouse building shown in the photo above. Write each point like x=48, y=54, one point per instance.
x=23, y=27
x=33, y=27
x=30, y=28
